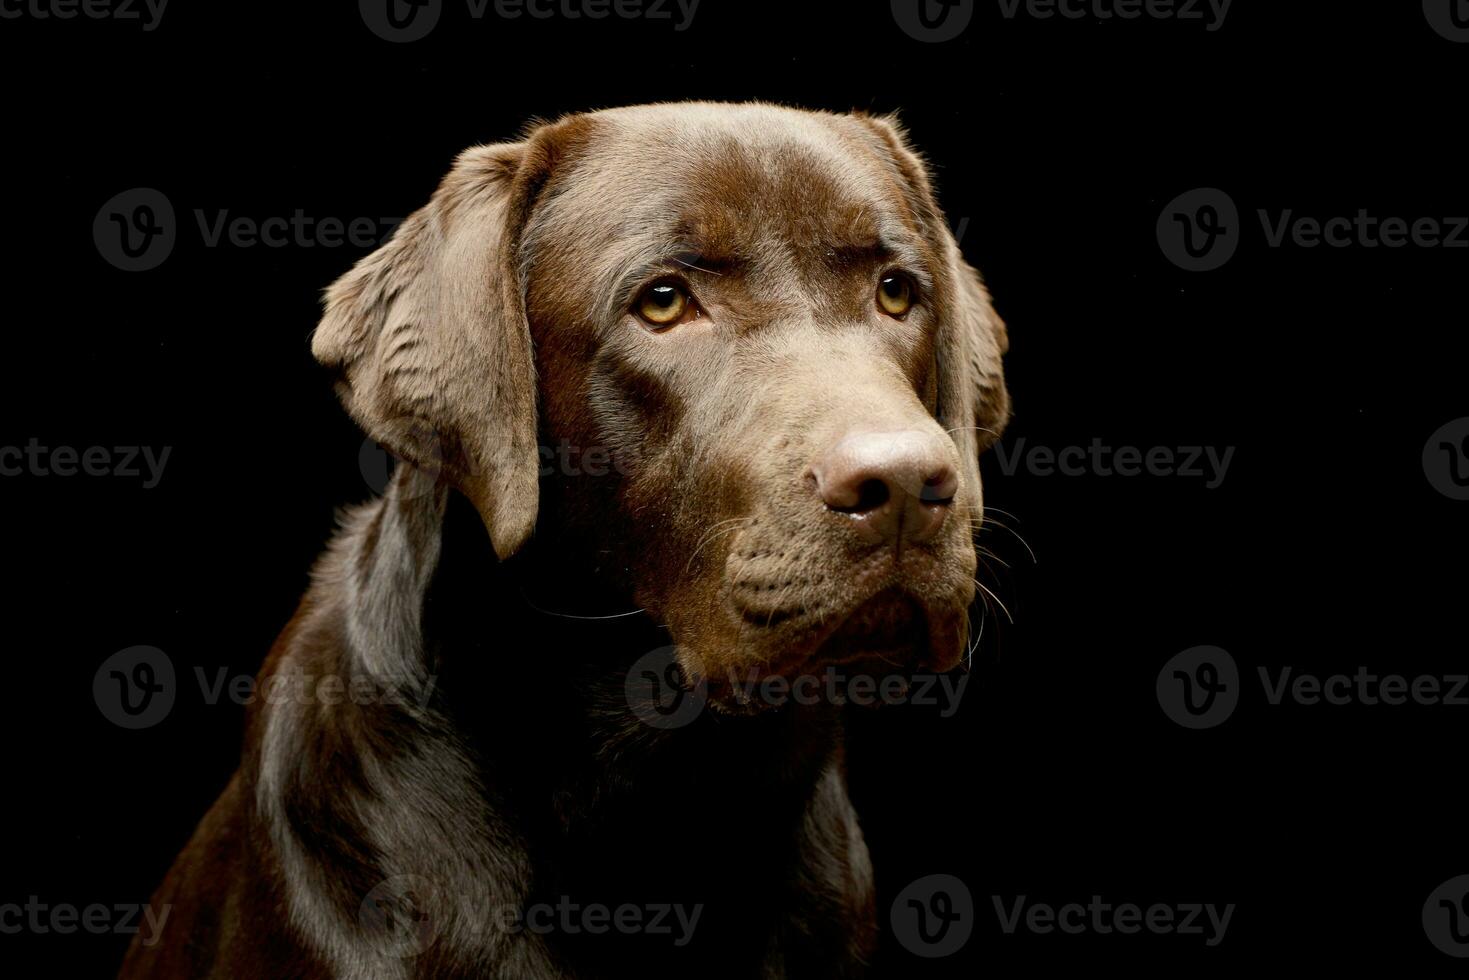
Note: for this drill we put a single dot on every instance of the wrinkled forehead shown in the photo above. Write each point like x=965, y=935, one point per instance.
x=726, y=188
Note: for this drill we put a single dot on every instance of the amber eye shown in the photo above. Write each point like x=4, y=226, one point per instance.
x=663, y=304
x=895, y=295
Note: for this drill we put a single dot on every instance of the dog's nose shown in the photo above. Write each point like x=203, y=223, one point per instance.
x=893, y=484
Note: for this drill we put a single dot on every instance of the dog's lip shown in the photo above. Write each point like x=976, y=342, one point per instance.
x=894, y=627
x=787, y=640
x=894, y=631
x=873, y=578
x=888, y=618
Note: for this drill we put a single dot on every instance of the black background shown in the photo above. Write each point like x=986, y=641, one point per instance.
x=1060, y=142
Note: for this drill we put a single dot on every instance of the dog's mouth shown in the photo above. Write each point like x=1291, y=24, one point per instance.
x=890, y=629
x=880, y=646
x=891, y=635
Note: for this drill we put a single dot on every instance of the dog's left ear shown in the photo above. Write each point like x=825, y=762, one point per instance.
x=974, y=403
x=430, y=341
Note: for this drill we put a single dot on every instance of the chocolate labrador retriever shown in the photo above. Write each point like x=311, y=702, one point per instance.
x=715, y=380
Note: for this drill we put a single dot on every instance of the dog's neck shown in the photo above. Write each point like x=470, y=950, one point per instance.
x=529, y=660
x=512, y=771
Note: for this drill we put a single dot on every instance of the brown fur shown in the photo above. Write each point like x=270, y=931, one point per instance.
x=496, y=322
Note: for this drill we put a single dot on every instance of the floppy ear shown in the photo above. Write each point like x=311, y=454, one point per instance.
x=987, y=340
x=973, y=402
x=430, y=341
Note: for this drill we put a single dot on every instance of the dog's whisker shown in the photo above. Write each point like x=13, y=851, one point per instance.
x=983, y=616
x=986, y=553
x=562, y=615
x=996, y=598
x=697, y=268
x=895, y=664
x=986, y=520
x=971, y=428
x=709, y=537
x=980, y=523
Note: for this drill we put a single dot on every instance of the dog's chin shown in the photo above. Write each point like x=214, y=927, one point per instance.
x=890, y=635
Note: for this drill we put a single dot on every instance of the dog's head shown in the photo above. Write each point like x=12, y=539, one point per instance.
x=736, y=349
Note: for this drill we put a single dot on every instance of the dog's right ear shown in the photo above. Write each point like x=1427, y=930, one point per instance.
x=430, y=341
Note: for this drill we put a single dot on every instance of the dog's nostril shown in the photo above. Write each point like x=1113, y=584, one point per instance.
x=939, y=488
x=871, y=495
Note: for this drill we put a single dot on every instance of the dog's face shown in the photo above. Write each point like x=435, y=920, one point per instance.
x=762, y=373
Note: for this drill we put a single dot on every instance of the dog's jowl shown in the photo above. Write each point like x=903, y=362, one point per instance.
x=757, y=324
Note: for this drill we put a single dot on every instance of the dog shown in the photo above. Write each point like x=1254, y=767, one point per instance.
x=706, y=382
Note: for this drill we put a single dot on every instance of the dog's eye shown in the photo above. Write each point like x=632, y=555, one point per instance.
x=664, y=304
x=895, y=295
